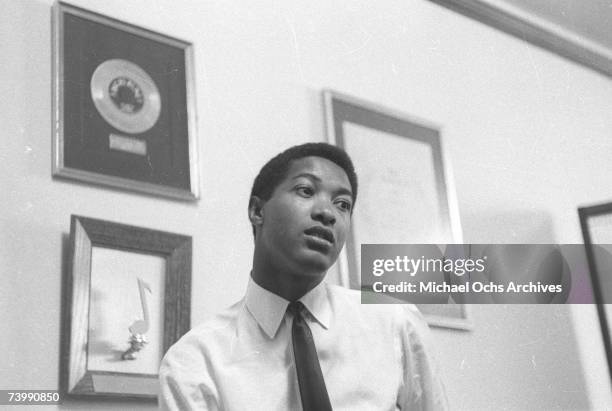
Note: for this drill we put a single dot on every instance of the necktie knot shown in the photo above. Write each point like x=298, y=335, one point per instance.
x=296, y=308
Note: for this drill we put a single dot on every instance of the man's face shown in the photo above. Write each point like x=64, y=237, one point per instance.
x=305, y=222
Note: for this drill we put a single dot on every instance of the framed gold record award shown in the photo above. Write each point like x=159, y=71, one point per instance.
x=124, y=110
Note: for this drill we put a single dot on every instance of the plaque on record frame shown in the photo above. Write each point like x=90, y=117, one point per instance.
x=124, y=111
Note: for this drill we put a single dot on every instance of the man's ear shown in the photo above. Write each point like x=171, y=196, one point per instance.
x=256, y=211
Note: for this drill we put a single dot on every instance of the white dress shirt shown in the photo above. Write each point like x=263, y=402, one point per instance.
x=373, y=357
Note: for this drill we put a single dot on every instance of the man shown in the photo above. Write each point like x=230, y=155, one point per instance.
x=295, y=342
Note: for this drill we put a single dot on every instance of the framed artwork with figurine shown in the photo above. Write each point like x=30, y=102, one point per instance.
x=126, y=301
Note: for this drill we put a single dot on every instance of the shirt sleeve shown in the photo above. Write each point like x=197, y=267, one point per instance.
x=422, y=387
x=185, y=380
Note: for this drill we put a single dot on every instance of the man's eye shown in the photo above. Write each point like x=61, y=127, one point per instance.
x=344, y=205
x=305, y=191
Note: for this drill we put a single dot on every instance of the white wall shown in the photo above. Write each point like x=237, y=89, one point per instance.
x=527, y=132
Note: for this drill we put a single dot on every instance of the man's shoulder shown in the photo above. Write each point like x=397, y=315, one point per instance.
x=220, y=320
x=213, y=331
x=387, y=312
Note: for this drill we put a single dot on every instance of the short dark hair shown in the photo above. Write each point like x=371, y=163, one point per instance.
x=275, y=170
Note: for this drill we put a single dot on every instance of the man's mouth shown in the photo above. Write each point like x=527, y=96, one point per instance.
x=321, y=233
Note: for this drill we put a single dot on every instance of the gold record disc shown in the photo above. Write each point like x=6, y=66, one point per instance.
x=125, y=96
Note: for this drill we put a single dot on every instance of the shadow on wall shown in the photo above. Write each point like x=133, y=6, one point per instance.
x=527, y=353
x=528, y=227
x=507, y=227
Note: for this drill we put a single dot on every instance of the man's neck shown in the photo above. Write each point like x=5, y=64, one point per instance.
x=289, y=285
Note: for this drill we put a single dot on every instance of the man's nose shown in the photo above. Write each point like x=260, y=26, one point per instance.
x=323, y=212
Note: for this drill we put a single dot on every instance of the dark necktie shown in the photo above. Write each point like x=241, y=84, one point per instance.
x=310, y=378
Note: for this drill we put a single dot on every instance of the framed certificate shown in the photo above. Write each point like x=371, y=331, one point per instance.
x=126, y=301
x=124, y=111
x=405, y=185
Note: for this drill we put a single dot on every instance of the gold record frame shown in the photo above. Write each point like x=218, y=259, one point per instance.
x=162, y=160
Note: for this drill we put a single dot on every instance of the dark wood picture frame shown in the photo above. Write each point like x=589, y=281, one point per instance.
x=77, y=379
x=600, y=278
x=124, y=106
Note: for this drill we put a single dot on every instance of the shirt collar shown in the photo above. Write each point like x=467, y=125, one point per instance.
x=269, y=309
